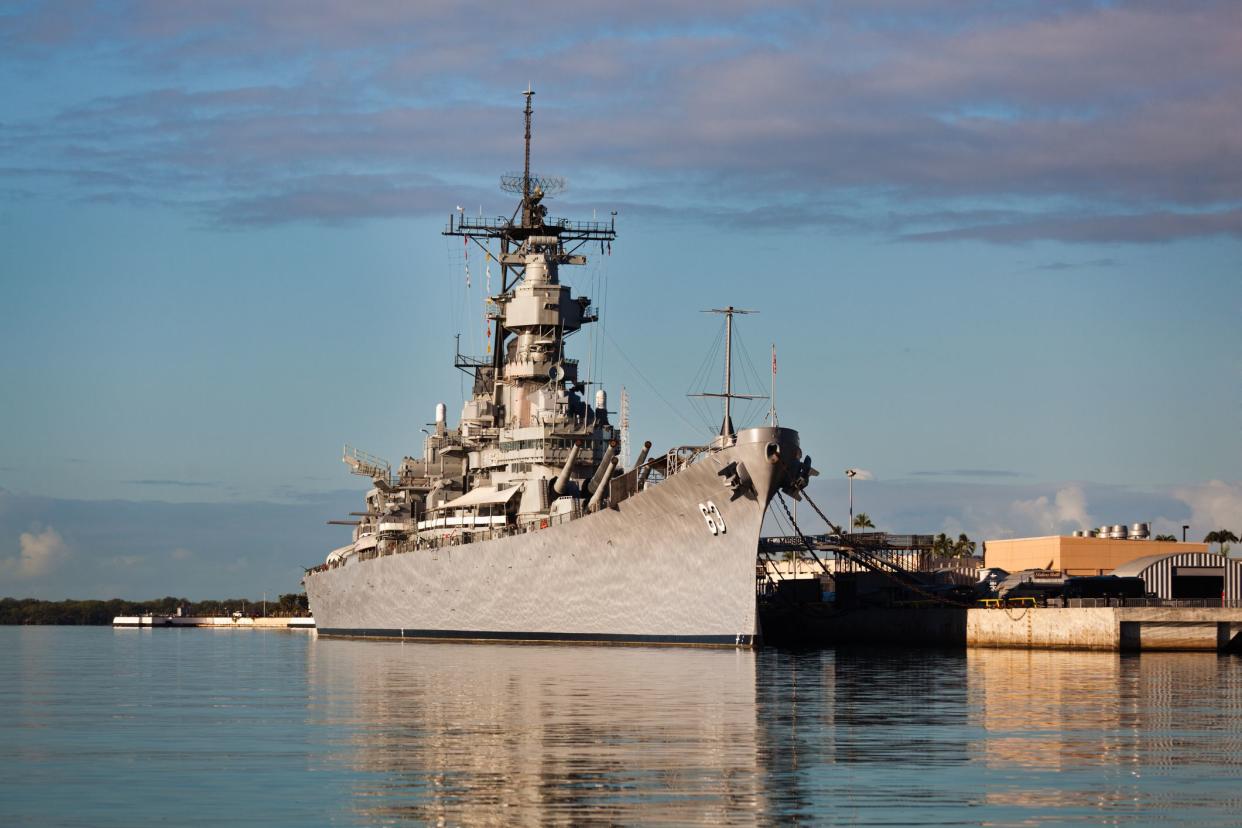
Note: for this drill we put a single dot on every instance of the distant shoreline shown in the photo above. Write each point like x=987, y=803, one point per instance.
x=100, y=612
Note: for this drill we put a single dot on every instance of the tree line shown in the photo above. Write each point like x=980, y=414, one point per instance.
x=101, y=612
x=1221, y=537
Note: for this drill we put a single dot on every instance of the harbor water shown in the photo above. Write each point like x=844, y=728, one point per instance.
x=204, y=727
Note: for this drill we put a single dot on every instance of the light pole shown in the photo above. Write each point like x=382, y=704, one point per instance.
x=1185, y=526
x=851, y=474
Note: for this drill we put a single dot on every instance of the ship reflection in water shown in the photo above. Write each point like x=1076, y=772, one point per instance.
x=520, y=734
x=479, y=733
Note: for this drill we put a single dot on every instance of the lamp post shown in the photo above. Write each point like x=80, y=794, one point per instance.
x=1185, y=526
x=851, y=474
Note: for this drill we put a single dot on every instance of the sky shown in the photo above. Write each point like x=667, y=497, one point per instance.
x=997, y=246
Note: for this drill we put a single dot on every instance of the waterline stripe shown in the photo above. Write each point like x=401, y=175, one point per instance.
x=537, y=637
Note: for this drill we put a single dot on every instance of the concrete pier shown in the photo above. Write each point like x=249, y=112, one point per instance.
x=1037, y=628
x=1105, y=628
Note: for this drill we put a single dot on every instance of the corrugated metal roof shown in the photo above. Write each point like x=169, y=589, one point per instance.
x=1136, y=566
x=1157, y=570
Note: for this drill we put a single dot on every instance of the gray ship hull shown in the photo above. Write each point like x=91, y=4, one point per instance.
x=649, y=570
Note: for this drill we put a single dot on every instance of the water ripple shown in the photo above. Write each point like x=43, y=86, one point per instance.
x=199, y=727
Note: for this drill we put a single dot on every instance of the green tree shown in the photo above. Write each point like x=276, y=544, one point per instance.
x=292, y=603
x=964, y=547
x=1223, y=537
x=1166, y=537
x=863, y=521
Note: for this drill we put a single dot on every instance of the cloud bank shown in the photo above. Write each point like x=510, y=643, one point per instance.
x=142, y=549
x=1075, y=121
x=1011, y=510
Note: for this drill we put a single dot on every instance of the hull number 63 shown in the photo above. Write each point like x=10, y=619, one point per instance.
x=715, y=522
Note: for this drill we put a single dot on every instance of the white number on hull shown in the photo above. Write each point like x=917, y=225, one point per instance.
x=715, y=521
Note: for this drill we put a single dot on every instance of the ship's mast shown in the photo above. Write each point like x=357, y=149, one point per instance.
x=529, y=93
x=529, y=230
x=726, y=428
x=728, y=395
x=772, y=393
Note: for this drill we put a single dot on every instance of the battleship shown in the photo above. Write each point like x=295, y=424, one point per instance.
x=521, y=523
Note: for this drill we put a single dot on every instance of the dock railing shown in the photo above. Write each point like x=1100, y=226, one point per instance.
x=1106, y=603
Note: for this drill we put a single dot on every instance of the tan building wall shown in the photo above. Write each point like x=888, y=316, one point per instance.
x=1076, y=556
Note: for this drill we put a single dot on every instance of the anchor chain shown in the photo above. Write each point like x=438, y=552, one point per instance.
x=867, y=560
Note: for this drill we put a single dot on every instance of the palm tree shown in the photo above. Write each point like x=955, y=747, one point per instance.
x=1166, y=538
x=863, y=521
x=942, y=545
x=1223, y=537
x=964, y=547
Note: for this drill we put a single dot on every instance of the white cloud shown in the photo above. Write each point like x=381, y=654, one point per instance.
x=1214, y=505
x=1066, y=511
x=181, y=554
x=40, y=554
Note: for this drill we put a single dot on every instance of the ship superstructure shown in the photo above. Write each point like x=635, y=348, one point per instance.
x=520, y=523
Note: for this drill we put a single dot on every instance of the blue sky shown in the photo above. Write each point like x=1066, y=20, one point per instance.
x=998, y=247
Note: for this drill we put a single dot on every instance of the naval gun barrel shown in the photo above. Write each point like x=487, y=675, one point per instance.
x=601, y=474
x=642, y=455
x=562, y=479
x=599, y=491
x=646, y=472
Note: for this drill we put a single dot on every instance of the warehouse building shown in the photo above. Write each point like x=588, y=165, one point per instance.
x=1188, y=576
x=1080, y=554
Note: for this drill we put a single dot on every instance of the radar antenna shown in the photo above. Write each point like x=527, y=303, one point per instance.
x=550, y=184
x=533, y=187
